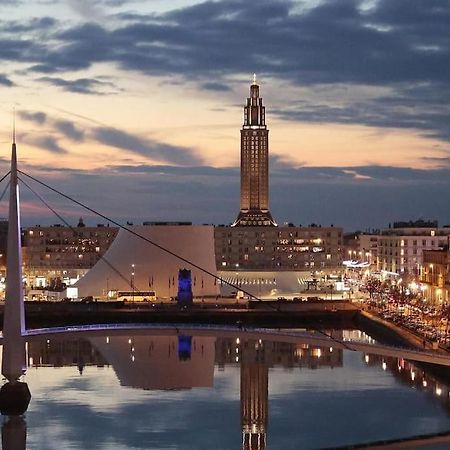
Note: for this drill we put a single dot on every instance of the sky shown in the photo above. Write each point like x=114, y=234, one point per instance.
x=134, y=107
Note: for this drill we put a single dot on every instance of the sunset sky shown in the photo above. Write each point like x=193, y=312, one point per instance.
x=134, y=107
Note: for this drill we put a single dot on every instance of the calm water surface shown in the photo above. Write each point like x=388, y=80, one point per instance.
x=169, y=392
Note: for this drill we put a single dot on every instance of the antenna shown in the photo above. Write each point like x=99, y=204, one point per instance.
x=14, y=125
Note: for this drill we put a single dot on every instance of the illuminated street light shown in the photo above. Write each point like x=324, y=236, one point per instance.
x=132, y=280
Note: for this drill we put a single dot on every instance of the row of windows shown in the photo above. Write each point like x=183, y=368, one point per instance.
x=415, y=242
x=278, y=264
x=282, y=234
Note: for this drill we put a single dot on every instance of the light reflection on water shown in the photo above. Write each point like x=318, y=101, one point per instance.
x=169, y=392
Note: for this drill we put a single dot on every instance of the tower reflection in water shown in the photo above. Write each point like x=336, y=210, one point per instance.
x=171, y=362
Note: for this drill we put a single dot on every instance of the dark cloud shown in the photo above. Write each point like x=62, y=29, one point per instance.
x=145, y=147
x=36, y=117
x=353, y=197
x=181, y=171
x=48, y=143
x=80, y=85
x=34, y=24
x=214, y=86
x=69, y=130
x=5, y=81
x=402, y=45
x=422, y=107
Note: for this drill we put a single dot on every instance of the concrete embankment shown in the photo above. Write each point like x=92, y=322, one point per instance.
x=321, y=314
x=387, y=332
x=394, y=334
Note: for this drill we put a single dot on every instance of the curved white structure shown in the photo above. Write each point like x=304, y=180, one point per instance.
x=131, y=261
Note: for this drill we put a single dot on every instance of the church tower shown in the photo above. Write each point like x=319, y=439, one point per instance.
x=254, y=164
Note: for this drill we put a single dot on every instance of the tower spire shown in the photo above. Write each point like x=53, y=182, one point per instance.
x=254, y=78
x=14, y=127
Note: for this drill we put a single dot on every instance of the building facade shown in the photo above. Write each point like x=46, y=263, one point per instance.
x=435, y=276
x=400, y=250
x=288, y=248
x=254, y=205
x=60, y=252
x=360, y=250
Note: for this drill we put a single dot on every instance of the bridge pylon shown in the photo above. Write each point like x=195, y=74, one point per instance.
x=14, y=354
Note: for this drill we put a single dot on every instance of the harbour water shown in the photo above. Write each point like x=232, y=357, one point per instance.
x=149, y=391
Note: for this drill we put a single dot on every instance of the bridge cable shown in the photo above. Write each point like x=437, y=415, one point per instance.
x=4, y=190
x=4, y=176
x=134, y=233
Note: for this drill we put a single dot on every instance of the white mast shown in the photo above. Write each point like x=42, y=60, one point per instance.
x=14, y=356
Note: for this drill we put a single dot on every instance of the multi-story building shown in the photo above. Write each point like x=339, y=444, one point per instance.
x=400, y=249
x=58, y=252
x=361, y=247
x=435, y=276
x=278, y=248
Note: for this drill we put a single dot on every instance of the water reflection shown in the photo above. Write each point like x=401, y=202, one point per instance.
x=14, y=394
x=159, y=362
x=180, y=362
x=184, y=362
x=415, y=376
x=14, y=433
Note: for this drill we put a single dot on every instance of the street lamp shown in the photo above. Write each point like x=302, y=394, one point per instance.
x=132, y=280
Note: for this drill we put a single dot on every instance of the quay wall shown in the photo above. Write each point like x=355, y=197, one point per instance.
x=322, y=314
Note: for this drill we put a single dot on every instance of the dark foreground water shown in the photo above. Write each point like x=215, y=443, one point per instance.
x=169, y=392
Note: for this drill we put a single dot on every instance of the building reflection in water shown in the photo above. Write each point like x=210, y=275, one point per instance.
x=415, y=376
x=408, y=373
x=165, y=362
x=159, y=362
x=256, y=357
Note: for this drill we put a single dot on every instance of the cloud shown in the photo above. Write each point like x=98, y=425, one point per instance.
x=86, y=9
x=145, y=147
x=214, y=86
x=80, y=85
x=5, y=81
x=48, y=143
x=69, y=130
x=37, y=117
x=186, y=171
x=378, y=46
x=203, y=194
x=398, y=50
x=34, y=24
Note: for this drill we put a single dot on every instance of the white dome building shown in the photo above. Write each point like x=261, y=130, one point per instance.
x=131, y=263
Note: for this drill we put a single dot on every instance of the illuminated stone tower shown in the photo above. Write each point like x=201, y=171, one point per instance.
x=254, y=164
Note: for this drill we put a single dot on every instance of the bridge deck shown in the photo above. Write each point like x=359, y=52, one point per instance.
x=315, y=338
